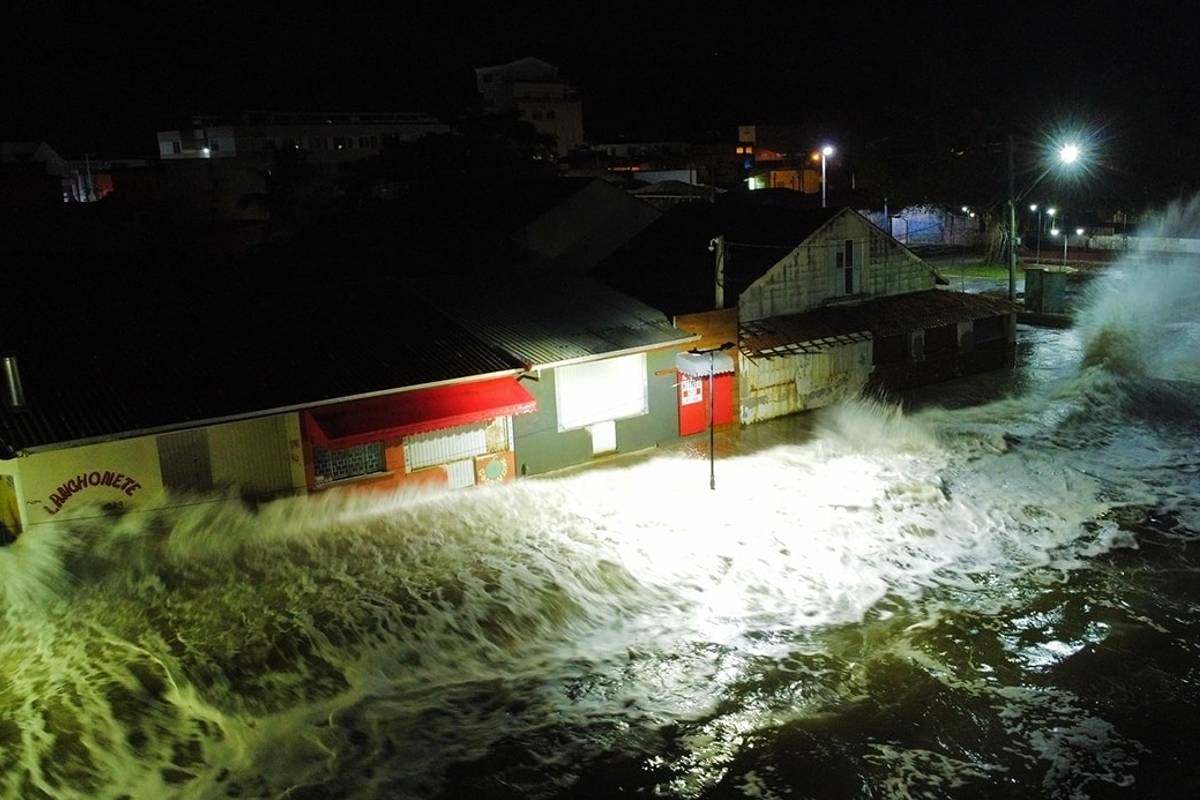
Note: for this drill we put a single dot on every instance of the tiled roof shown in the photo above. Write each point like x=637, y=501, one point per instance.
x=835, y=325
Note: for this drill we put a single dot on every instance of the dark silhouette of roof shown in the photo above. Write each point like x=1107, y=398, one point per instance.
x=670, y=266
x=92, y=371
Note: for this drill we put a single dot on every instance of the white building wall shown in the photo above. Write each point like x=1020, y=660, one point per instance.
x=779, y=386
x=808, y=277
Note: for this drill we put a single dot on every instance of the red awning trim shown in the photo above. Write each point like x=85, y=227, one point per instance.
x=405, y=413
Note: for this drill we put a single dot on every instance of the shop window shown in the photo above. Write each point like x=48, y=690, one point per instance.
x=348, y=462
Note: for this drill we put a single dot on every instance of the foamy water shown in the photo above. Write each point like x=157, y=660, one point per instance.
x=510, y=638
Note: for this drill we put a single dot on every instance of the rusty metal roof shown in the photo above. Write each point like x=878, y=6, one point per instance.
x=833, y=326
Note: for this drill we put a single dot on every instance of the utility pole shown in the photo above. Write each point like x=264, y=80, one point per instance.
x=717, y=246
x=1012, y=223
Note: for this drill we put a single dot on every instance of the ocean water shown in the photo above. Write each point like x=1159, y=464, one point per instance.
x=990, y=589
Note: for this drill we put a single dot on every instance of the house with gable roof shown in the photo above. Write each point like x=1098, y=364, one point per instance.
x=821, y=303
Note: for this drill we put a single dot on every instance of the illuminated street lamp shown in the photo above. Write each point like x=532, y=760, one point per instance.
x=826, y=152
x=1068, y=154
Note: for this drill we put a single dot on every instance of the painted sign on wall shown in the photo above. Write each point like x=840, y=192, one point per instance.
x=88, y=480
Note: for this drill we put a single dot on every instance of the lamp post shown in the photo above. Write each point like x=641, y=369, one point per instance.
x=712, y=467
x=1068, y=154
x=1038, y=257
x=826, y=152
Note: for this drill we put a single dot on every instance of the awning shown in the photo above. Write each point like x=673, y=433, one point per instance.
x=405, y=413
x=696, y=365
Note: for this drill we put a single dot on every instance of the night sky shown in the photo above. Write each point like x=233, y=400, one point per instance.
x=104, y=79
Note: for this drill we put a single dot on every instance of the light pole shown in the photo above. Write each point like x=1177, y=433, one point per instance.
x=826, y=152
x=1068, y=154
x=712, y=393
x=1034, y=207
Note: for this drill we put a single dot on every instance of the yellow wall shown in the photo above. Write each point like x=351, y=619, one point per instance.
x=257, y=456
x=122, y=473
x=10, y=488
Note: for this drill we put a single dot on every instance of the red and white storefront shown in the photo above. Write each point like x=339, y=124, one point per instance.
x=453, y=435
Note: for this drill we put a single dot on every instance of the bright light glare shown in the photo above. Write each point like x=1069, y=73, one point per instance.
x=965, y=209
x=1079, y=231
x=1069, y=154
x=1051, y=211
x=1033, y=206
x=827, y=150
x=1054, y=231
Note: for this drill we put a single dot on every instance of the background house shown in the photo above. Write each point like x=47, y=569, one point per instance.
x=778, y=278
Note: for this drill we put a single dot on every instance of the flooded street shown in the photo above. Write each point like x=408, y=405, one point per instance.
x=991, y=591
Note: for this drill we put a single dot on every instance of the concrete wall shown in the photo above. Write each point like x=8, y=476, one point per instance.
x=1147, y=244
x=807, y=277
x=778, y=386
x=541, y=447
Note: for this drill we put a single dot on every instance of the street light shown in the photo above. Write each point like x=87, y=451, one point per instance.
x=1068, y=154
x=1034, y=207
x=826, y=152
x=712, y=393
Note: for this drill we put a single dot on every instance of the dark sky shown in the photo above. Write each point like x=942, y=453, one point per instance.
x=104, y=76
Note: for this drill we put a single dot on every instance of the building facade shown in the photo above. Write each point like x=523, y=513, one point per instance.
x=534, y=91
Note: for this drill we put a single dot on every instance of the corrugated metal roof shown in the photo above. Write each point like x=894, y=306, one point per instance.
x=546, y=319
x=833, y=326
x=98, y=372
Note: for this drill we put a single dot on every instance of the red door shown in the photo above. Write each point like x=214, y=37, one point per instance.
x=694, y=402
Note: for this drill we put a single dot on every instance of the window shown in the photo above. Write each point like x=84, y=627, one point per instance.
x=176, y=147
x=598, y=391
x=843, y=263
x=942, y=339
x=348, y=462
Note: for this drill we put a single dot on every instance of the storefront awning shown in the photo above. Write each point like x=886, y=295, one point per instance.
x=405, y=413
x=696, y=365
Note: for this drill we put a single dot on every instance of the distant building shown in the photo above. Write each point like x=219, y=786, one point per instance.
x=535, y=92
x=325, y=137
x=33, y=174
